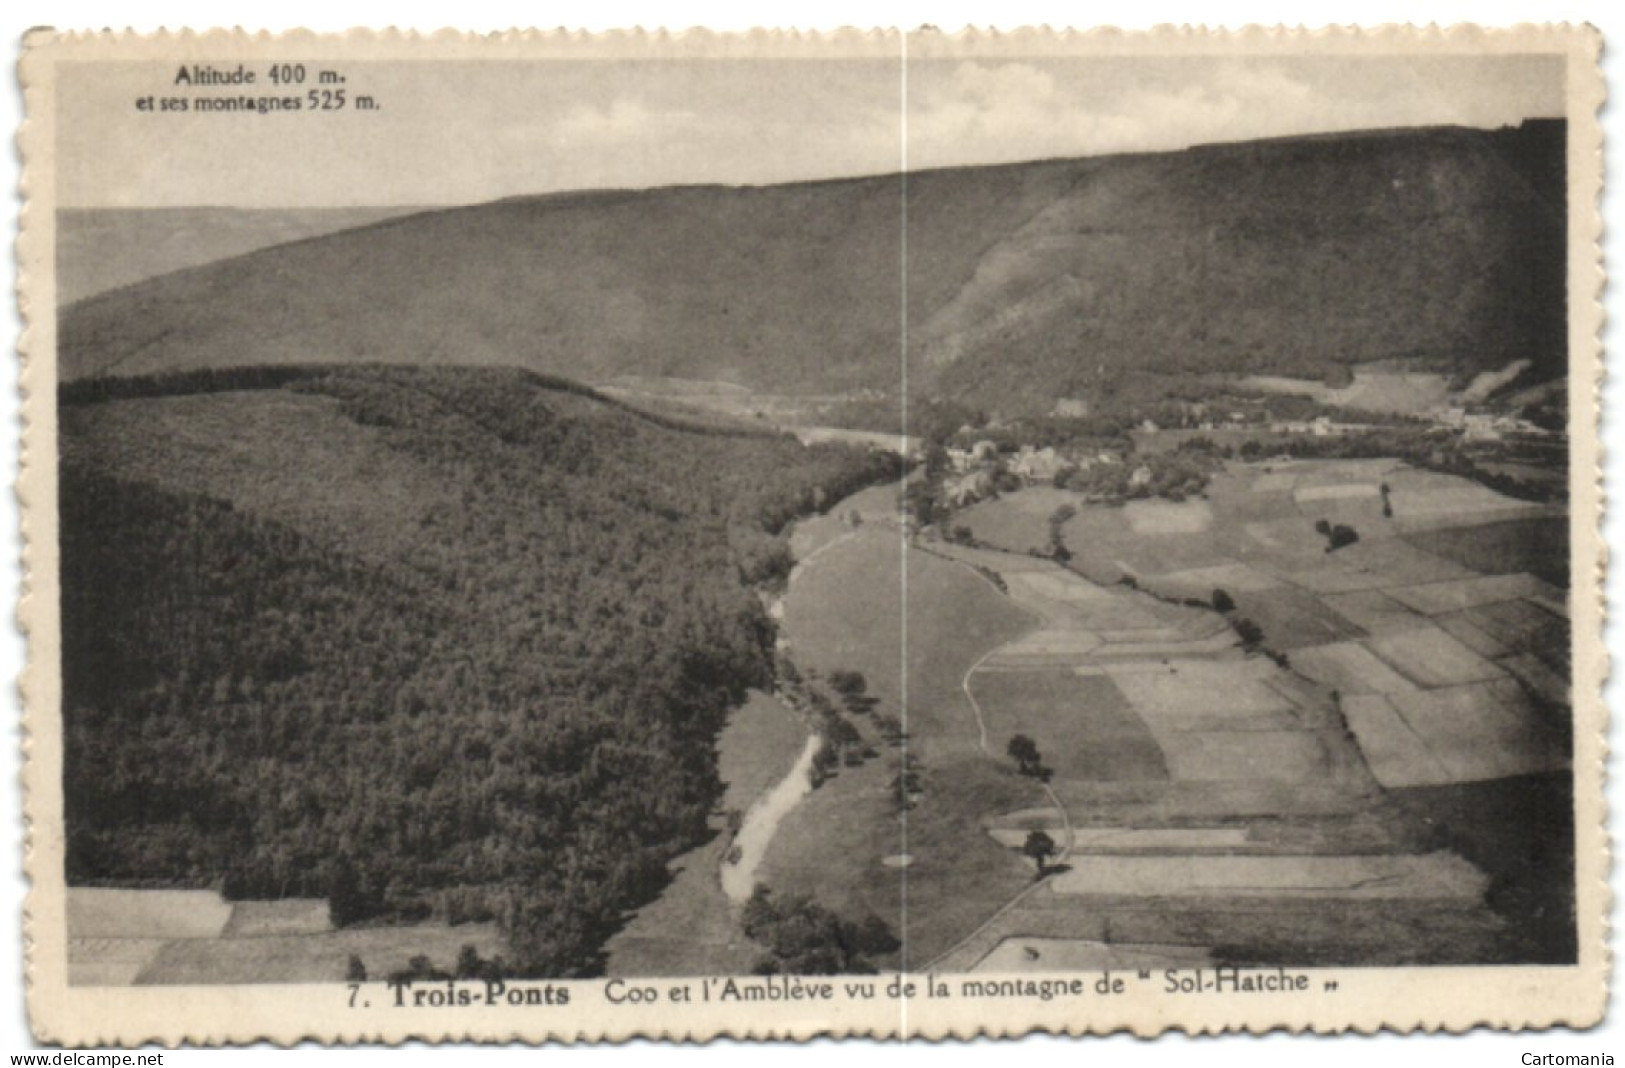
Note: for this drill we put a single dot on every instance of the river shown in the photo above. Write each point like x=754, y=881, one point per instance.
x=761, y=823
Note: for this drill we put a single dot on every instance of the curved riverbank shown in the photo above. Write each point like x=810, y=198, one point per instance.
x=762, y=823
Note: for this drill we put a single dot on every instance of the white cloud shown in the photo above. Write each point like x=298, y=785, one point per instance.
x=1004, y=112
x=1017, y=111
x=624, y=120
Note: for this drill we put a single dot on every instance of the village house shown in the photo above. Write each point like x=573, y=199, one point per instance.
x=1481, y=428
x=968, y=489
x=1037, y=465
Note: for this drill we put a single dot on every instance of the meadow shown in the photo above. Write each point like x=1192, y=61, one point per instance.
x=1422, y=660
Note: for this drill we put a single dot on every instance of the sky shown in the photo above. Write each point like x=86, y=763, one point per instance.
x=469, y=131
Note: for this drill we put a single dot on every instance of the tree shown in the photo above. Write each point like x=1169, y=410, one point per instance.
x=848, y=683
x=1250, y=633
x=1341, y=536
x=1040, y=847
x=470, y=965
x=1024, y=751
x=825, y=761
x=872, y=937
x=1323, y=528
x=349, y=898
x=357, y=971
x=1223, y=602
x=805, y=938
x=905, y=786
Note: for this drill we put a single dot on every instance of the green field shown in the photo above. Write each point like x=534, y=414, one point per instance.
x=120, y=937
x=846, y=612
x=1537, y=546
x=1521, y=832
x=1292, y=618
x=316, y=958
x=1084, y=726
x=1431, y=633
x=1016, y=522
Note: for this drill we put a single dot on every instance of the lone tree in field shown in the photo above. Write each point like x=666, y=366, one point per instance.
x=1323, y=528
x=1250, y=633
x=848, y=683
x=1040, y=847
x=1223, y=602
x=1340, y=536
x=1024, y=751
x=1057, y=540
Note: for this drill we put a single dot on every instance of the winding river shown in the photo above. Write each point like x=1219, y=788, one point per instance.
x=761, y=823
x=812, y=537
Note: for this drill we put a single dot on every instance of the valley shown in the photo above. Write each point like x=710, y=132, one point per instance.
x=603, y=583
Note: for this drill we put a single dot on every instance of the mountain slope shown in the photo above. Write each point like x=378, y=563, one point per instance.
x=1442, y=248
x=98, y=249
x=411, y=639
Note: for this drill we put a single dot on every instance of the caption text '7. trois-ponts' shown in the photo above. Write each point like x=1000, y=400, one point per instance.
x=452, y=993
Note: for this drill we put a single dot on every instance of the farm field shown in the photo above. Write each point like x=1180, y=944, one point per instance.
x=1018, y=521
x=191, y=937
x=845, y=612
x=1206, y=803
x=1401, y=669
x=1097, y=735
x=1537, y=546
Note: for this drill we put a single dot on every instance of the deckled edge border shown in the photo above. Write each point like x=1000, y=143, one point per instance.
x=35, y=483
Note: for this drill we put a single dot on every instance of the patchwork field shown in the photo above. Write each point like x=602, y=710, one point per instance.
x=1415, y=658
x=1068, y=955
x=1208, y=804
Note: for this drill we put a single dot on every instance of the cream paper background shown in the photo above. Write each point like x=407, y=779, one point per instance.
x=1490, y=1049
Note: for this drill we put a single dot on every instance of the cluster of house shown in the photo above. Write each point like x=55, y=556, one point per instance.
x=1482, y=426
x=1321, y=426
x=1473, y=426
x=1201, y=419
x=974, y=470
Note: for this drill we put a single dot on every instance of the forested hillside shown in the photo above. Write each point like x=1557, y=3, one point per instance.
x=1438, y=249
x=425, y=642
